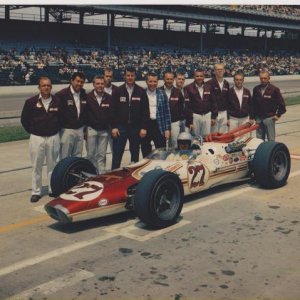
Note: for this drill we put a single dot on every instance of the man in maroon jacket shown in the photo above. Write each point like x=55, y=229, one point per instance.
x=239, y=103
x=220, y=88
x=130, y=118
x=40, y=118
x=72, y=116
x=203, y=104
x=176, y=104
x=98, y=118
x=268, y=106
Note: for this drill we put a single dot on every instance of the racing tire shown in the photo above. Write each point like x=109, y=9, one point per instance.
x=271, y=164
x=68, y=172
x=159, y=198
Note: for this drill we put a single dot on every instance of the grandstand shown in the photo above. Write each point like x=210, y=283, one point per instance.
x=193, y=36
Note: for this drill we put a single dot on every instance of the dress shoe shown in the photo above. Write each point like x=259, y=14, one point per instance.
x=35, y=198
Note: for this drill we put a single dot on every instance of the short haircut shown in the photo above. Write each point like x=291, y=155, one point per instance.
x=151, y=74
x=130, y=69
x=98, y=77
x=78, y=74
x=240, y=73
x=44, y=78
x=179, y=73
x=199, y=69
x=108, y=69
x=264, y=72
x=169, y=72
x=219, y=64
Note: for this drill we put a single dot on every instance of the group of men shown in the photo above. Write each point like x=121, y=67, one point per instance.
x=58, y=124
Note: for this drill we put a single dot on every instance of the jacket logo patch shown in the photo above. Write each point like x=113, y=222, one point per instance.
x=206, y=93
x=136, y=99
x=83, y=102
x=70, y=102
x=225, y=89
x=186, y=99
x=104, y=105
x=267, y=96
x=173, y=99
x=245, y=96
x=122, y=99
x=53, y=109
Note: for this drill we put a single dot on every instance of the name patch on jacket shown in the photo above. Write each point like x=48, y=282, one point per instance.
x=83, y=102
x=206, y=93
x=53, y=109
x=122, y=99
x=136, y=99
x=104, y=105
x=268, y=96
x=174, y=99
x=225, y=89
x=70, y=102
x=245, y=96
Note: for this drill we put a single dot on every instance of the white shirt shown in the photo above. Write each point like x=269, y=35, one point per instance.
x=108, y=90
x=239, y=94
x=46, y=102
x=221, y=84
x=152, y=103
x=99, y=98
x=200, y=90
x=168, y=92
x=76, y=97
x=129, y=90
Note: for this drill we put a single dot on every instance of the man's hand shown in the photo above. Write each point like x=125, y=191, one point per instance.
x=115, y=133
x=213, y=122
x=167, y=134
x=143, y=133
x=276, y=118
x=191, y=127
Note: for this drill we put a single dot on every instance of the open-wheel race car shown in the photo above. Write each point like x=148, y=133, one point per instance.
x=155, y=186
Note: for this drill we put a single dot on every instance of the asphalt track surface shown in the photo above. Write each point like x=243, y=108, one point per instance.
x=238, y=241
x=14, y=102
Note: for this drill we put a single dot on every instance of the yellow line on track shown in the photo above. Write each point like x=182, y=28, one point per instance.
x=10, y=227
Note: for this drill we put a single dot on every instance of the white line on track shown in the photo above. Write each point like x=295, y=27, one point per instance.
x=54, y=286
x=60, y=251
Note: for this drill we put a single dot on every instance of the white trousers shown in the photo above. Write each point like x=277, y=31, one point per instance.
x=176, y=128
x=41, y=148
x=221, y=122
x=71, y=142
x=236, y=122
x=202, y=124
x=96, y=145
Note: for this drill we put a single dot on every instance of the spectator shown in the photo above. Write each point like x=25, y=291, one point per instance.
x=99, y=115
x=268, y=106
x=131, y=117
x=72, y=116
x=40, y=118
x=239, y=103
x=159, y=126
x=203, y=104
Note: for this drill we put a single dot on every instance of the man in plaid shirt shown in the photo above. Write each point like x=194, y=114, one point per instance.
x=159, y=127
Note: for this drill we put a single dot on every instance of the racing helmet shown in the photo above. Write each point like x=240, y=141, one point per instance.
x=184, y=140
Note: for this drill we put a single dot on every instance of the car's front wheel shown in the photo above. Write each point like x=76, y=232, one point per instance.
x=159, y=198
x=69, y=172
x=271, y=164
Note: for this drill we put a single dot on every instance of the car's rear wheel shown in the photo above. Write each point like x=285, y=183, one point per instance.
x=69, y=172
x=159, y=198
x=271, y=164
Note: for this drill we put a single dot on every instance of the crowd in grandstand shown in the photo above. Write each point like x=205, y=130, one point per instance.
x=24, y=67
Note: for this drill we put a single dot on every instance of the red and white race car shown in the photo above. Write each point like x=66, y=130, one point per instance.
x=155, y=186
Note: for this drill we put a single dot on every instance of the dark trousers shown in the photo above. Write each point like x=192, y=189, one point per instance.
x=153, y=134
x=131, y=133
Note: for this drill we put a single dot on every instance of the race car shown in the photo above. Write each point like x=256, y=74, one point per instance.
x=155, y=186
